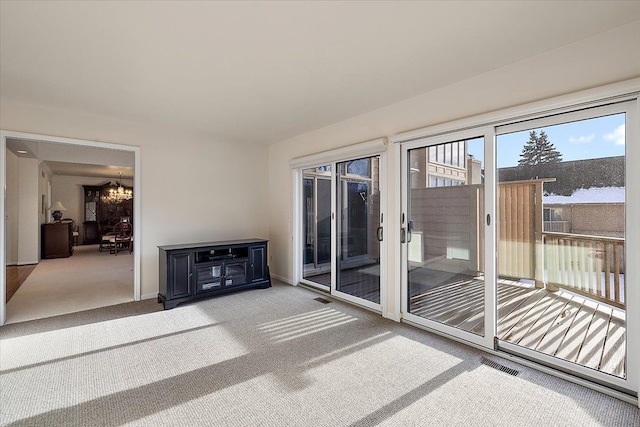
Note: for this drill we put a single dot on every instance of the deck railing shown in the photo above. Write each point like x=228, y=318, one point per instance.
x=592, y=266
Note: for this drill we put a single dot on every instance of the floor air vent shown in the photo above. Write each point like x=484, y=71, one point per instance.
x=499, y=367
x=322, y=300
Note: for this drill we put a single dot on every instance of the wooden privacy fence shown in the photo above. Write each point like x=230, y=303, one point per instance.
x=520, y=234
x=592, y=266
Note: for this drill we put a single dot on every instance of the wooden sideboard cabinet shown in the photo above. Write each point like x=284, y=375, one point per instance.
x=57, y=240
x=199, y=270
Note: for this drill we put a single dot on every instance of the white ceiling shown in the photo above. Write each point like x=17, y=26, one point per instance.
x=82, y=169
x=66, y=159
x=262, y=72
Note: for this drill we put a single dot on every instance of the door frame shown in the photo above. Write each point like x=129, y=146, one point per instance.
x=4, y=135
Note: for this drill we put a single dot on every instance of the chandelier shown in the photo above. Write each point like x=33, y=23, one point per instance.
x=118, y=194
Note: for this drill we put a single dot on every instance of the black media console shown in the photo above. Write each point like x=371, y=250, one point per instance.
x=199, y=270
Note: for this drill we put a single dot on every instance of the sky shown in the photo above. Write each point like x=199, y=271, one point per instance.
x=585, y=139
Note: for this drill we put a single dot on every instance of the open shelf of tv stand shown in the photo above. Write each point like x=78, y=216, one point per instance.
x=200, y=270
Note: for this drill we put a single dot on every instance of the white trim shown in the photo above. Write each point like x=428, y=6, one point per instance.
x=334, y=225
x=632, y=234
x=404, y=246
x=282, y=279
x=149, y=296
x=444, y=138
x=363, y=149
x=620, y=90
x=296, y=225
x=567, y=115
x=4, y=134
x=490, y=237
x=137, y=235
x=3, y=240
x=383, y=251
x=393, y=231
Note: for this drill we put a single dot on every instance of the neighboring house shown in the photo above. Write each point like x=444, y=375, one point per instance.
x=596, y=211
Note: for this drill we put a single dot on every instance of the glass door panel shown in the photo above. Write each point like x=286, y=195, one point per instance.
x=316, y=224
x=359, y=231
x=445, y=234
x=561, y=242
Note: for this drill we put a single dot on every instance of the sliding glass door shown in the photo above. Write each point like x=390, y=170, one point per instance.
x=359, y=229
x=514, y=237
x=562, y=241
x=341, y=217
x=444, y=235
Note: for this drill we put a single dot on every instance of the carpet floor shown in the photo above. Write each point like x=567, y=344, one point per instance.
x=86, y=280
x=272, y=357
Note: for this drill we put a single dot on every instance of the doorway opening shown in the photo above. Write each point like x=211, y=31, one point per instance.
x=79, y=276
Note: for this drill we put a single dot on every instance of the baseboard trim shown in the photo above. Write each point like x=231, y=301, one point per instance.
x=281, y=279
x=26, y=263
x=148, y=296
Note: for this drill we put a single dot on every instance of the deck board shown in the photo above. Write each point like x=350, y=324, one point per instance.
x=556, y=334
x=614, y=348
x=561, y=324
x=544, y=323
x=572, y=342
x=591, y=351
x=523, y=316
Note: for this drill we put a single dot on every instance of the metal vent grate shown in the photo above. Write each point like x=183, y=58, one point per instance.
x=499, y=367
x=322, y=300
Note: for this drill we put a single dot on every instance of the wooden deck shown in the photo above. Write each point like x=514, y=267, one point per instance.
x=560, y=324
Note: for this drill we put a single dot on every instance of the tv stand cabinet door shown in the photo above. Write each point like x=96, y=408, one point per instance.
x=180, y=275
x=258, y=263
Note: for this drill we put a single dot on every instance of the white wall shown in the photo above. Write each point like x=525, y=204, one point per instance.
x=193, y=189
x=605, y=58
x=11, y=216
x=68, y=190
x=28, y=212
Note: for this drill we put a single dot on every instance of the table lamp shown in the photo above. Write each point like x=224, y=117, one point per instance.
x=57, y=209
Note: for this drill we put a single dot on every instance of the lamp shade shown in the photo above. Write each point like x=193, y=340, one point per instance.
x=58, y=206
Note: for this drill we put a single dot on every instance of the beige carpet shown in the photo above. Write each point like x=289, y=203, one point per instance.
x=86, y=280
x=272, y=357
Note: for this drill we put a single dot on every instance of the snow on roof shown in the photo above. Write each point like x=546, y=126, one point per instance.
x=588, y=195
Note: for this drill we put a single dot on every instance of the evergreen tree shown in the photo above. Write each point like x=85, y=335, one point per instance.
x=539, y=150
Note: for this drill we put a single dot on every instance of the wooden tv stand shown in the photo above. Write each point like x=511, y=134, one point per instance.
x=199, y=270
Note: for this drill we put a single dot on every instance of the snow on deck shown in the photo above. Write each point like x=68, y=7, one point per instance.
x=588, y=195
